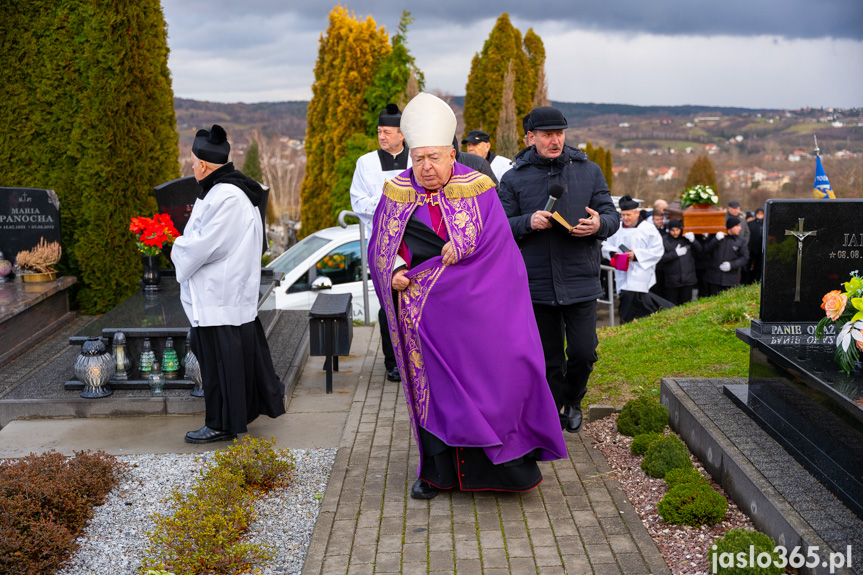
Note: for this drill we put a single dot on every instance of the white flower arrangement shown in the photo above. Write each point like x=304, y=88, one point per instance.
x=698, y=195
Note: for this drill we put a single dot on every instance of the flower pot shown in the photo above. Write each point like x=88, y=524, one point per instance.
x=39, y=277
x=152, y=275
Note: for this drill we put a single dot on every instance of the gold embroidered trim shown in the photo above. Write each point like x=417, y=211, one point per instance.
x=400, y=190
x=467, y=186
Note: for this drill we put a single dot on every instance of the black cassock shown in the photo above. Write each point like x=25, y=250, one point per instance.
x=239, y=380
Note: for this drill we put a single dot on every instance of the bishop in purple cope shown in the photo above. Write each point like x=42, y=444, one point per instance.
x=464, y=331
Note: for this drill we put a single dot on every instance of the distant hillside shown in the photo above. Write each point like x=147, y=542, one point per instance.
x=271, y=118
x=289, y=118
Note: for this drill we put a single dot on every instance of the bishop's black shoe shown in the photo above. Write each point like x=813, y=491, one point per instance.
x=207, y=435
x=422, y=490
x=393, y=374
x=573, y=417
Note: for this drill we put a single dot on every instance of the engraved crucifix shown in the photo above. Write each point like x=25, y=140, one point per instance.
x=800, y=235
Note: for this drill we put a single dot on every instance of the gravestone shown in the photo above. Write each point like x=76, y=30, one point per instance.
x=26, y=216
x=796, y=391
x=177, y=198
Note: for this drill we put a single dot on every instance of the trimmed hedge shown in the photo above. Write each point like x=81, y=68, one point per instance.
x=665, y=454
x=681, y=475
x=692, y=504
x=642, y=415
x=88, y=111
x=738, y=541
x=642, y=441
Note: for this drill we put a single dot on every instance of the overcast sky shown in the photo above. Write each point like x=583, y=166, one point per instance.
x=749, y=53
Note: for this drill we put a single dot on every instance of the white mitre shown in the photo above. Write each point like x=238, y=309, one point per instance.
x=428, y=121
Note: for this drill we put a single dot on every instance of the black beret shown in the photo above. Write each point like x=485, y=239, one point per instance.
x=212, y=146
x=627, y=203
x=390, y=116
x=733, y=204
x=475, y=137
x=675, y=224
x=547, y=118
x=731, y=221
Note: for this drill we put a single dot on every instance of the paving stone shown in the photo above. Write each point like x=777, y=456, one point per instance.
x=599, y=553
x=490, y=540
x=440, y=541
x=335, y=564
x=631, y=563
x=622, y=544
x=578, y=564
x=440, y=560
x=414, y=568
x=361, y=568
x=521, y=565
x=546, y=556
x=494, y=559
x=519, y=547
x=469, y=566
x=388, y=562
x=363, y=553
x=415, y=552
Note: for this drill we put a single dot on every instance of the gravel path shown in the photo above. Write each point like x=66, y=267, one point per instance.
x=114, y=541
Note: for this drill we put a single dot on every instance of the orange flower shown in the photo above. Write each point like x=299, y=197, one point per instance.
x=834, y=304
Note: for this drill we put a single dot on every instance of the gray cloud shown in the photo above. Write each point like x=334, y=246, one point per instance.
x=786, y=18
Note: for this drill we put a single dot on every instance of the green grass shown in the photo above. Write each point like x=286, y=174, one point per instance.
x=804, y=128
x=697, y=339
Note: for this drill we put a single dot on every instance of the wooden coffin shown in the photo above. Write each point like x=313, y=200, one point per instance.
x=698, y=219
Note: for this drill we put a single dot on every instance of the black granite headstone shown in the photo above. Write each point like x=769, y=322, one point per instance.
x=796, y=390
x=811, y=246
x=26, y=216
x=177, y=198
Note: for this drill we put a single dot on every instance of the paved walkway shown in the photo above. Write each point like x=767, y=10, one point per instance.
x=577, y=522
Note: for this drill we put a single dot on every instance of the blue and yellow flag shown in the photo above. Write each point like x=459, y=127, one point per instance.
x=822, y=189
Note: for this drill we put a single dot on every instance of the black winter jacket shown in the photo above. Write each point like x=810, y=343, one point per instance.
x=561, y=269
x=679, y=270
x=731, y=249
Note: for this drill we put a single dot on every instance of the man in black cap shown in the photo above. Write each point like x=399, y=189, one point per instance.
x=734, y=210
x=528, y=135
x=562, y=267
x=728, y=254
x=373, y=169
x=640, y=242
x=479, y=144
x=218, y=263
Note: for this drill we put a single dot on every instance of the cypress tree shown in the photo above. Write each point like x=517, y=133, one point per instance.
x=88, y=111
x=488, y=72
x=252, y=168
x=701, y=173
x=347, y=55
x=507, y=134
x=127, y=142
x=609, y=173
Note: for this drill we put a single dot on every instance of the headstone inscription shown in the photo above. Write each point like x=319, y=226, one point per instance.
x=796, y=390
x=177, y=198
x=26, y=216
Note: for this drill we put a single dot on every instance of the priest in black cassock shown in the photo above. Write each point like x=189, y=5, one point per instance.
x=218, y=263
x=372, y=170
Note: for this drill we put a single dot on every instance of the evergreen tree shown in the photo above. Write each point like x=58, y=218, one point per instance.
x=88, y=111
x=701, y=173
x=536, y=56
x=127, y=143
x=252, y=168
x=609, y=173
x=488, y=71
x=347, y=58
x=392, y=77
x=507, y=133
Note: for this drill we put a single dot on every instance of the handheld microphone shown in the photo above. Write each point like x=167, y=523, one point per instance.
x=554, y=193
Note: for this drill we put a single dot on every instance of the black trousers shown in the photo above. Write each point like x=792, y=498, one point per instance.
x=679, y=295
x=386, y=340
x=237, y=374
x=567, y=371
x=715, y=289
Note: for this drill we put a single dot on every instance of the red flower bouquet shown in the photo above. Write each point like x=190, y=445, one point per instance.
x=154, y=233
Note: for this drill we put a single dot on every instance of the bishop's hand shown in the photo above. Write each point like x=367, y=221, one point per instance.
x=400, y=282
